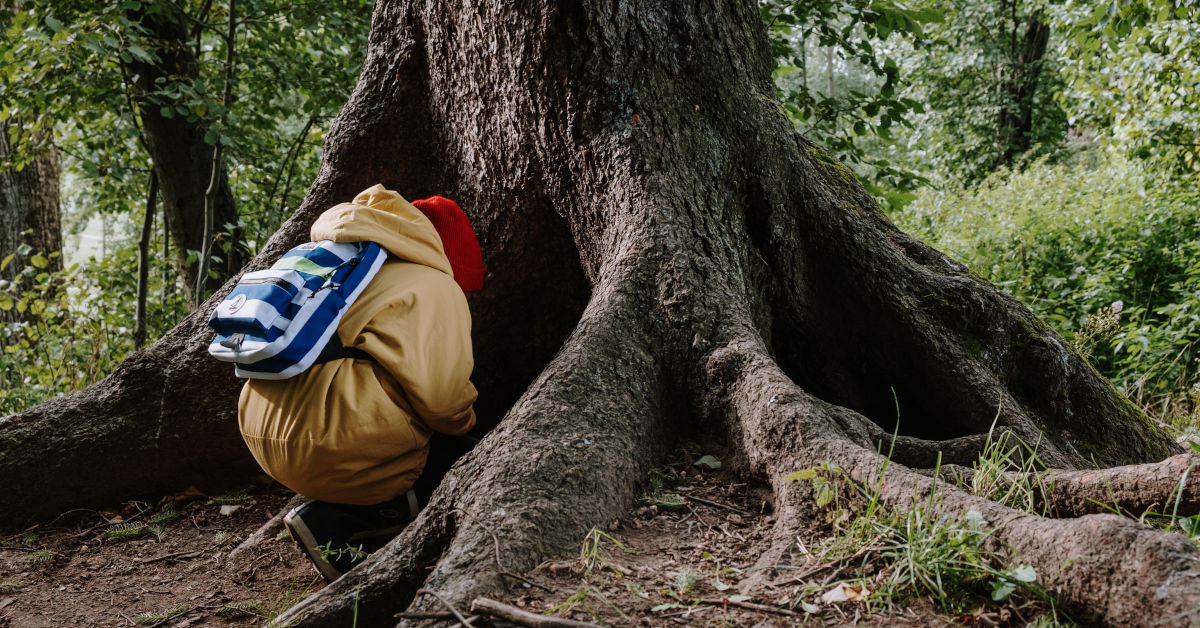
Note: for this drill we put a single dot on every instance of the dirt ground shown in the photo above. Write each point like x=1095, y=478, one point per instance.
x=677, y=558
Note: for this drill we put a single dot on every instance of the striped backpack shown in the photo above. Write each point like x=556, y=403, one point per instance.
x=275, y=323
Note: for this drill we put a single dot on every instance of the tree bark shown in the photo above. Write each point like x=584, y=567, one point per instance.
x=666, y=255
x=181, y=157
x=29, y=211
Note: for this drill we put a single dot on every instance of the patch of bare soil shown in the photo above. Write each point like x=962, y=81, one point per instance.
x=155, y=564
x=684, y=556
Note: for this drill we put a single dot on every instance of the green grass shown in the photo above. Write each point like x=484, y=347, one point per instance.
x=897, y=556
x=595, y=554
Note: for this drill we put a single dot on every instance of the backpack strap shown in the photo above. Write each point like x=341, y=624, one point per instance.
x=335, y=351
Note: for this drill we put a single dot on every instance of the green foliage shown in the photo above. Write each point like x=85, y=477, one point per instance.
x=1009, y=471
x=968, y=80
x=77, y=328
x=839, y=83
x=68, y=66
x=1101, y=236
x=594, y=556
x=125, y=531
x=1131, y=68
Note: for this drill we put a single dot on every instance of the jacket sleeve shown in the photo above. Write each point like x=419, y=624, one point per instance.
x=424, y=341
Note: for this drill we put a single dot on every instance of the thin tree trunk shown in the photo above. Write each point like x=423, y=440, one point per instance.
x=143, y=275
x=211, y=191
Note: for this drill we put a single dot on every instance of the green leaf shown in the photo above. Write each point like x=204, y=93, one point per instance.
x=808, y=474
x=140, y=53
x=6, y=301
x=8, y=260
x=1001, y=589
x=39, y=261
x=1025, y=573
x=54, y=24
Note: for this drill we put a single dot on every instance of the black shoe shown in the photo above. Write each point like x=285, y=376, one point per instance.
x=336, y=537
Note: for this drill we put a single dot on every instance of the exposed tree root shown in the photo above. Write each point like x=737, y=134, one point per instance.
x=492, y=608
x=266, y=530
x=1168, y=487
x=593, y=421
x=1105, y=569
x=739, y=278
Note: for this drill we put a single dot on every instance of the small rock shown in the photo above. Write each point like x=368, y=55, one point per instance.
x=708, y=462
x=229, y=509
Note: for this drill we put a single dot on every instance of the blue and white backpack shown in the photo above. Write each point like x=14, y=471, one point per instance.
x=276, y=322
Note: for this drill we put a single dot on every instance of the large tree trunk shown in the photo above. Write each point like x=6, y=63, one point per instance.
x=181, y=157
x=29, y=211
x=666, y=255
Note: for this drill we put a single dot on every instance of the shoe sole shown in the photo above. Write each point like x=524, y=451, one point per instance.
x=307, y=542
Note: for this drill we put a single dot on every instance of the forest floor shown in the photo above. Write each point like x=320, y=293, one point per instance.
x=679, y=557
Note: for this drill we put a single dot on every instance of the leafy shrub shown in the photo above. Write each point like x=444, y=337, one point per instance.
x=75, y=325
x=1106, y=250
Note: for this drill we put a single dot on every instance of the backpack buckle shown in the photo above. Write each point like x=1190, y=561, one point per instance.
x=234, y=341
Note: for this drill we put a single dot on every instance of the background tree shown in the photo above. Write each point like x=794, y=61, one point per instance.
x=138, y=84
x=30, y=221
x=840, y=82
x=669, y=256
x=100, y=77
x=30, y=224
x=988, y=89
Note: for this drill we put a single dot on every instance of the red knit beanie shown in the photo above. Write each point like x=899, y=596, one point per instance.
x=458, y=240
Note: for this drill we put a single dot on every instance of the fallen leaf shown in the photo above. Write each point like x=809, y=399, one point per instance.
x=844, y=592
x=229, y=509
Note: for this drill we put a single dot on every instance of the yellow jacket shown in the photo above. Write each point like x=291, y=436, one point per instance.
x=357, y=431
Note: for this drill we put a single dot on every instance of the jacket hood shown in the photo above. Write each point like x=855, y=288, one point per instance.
x=383, y=216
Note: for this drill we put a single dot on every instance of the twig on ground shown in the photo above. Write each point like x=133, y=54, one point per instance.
x=691, y=610
x=709, y=502
x=267, y=528
x=750, y=606
x=695, y=514
x=183, y=554
x=424, y=615
x=462, y=620
x=492, y=608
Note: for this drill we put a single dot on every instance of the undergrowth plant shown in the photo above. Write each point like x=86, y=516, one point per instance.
x=595, y=556
x=893, y=557
x=1104, y=249
x=1008, y=471
x=73, y=327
